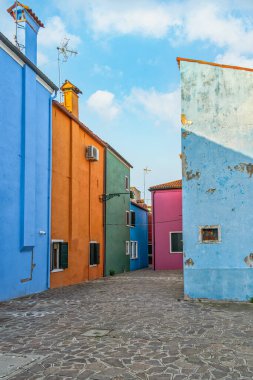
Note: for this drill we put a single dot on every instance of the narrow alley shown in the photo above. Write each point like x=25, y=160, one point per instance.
x=130, y=326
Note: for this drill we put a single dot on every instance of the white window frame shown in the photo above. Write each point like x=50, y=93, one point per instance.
x=127, y=247
x=127, y=187
x=58, y=256
x=174, y=232
x=128, y=217
x=133, y=249
x=210, y=241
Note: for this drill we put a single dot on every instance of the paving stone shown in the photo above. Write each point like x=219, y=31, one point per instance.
x=130, y=326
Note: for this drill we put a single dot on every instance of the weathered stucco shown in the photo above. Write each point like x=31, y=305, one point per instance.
x=217, y=160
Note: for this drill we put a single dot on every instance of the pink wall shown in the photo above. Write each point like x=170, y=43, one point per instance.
x=167, y=206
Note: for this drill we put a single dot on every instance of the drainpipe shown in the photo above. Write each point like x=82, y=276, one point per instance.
x=50, y=186
x=104, y=208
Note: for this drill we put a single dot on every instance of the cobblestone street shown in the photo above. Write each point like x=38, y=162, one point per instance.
x=131, y=326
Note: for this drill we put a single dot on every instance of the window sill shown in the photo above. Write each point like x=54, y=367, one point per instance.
x=93, y=265
x=172, y=253
x=57, y=270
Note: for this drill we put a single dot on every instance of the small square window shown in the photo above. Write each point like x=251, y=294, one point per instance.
x=210, y=234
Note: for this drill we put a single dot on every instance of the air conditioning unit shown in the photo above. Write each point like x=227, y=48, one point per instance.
x=92, y=153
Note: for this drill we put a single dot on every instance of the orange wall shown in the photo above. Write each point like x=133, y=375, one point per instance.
x=77, y=212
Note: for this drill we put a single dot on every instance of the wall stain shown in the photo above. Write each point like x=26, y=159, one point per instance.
x=243, y=167
x=211, y=191
x=185, y=134
x=188, y=174
x=184, y=120
x=189, y=262
x=249, y=260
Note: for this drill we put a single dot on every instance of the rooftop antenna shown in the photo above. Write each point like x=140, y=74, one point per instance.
x=64, y=52
x=19, y=45
x=146, y=171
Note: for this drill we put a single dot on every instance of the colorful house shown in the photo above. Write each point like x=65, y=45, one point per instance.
x=77, y=231
x=217, y=160
x=25, y=162
x=137, y=247
x=117, y=212
x=167, y=225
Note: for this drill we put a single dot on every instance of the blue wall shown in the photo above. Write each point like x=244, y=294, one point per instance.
x=25, y=162
x=217, y=158
x=140, y=233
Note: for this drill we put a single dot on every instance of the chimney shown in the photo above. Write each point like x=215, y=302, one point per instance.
x=71, y=97
x=26, y=19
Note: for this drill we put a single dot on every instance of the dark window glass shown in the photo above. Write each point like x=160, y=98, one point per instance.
x=94, y=253
x=210, y=234
x=176, y=242
x=64, y=251
x=132, y=218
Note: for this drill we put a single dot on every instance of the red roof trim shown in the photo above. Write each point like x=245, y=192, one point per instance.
x=212, y=64
x=168, y=186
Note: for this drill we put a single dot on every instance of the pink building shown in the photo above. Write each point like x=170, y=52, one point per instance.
x=167, y=225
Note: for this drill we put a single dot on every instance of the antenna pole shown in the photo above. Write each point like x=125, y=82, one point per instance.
x=59, y=73
x=66, y=52
x=145, y=171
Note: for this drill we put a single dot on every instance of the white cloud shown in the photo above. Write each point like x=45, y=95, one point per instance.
x=103, y=103
x=162, y=107
x=224, y=24
x=54, y=32
x=234, y=59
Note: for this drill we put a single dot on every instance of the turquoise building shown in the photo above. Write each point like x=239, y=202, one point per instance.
x=217, y=166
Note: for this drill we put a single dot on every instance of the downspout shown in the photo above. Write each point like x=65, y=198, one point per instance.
x=153, y=228
x=104, y=208
x=50, y=159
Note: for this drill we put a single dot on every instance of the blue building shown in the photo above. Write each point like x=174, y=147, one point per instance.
x=25, y=162
x=217, y=165
x=137, y=247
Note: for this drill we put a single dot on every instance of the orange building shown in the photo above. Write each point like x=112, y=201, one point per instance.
x=77, y=231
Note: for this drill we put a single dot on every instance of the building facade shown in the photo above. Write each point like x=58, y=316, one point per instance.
x=117, y=211
x=217, y=162
x=25, y=161
x=137, y=247
x=77, y=232
x=167, y=226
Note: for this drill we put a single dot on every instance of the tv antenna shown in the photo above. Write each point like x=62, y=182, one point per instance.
x=64, y=52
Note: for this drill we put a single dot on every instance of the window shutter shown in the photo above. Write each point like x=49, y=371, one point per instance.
x=92, y=254
x=96, y=253
x=133, y=218
x=127, y=218
x=64, y=252
x=127, y=248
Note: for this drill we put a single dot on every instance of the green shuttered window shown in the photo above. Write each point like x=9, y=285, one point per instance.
x=59, y=255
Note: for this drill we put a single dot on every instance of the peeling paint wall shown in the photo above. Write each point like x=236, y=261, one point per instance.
x=217, y=168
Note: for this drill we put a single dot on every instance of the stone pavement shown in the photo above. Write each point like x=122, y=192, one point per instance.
x=131, y=326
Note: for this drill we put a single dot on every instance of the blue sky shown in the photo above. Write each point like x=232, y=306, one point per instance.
x=126, y=65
